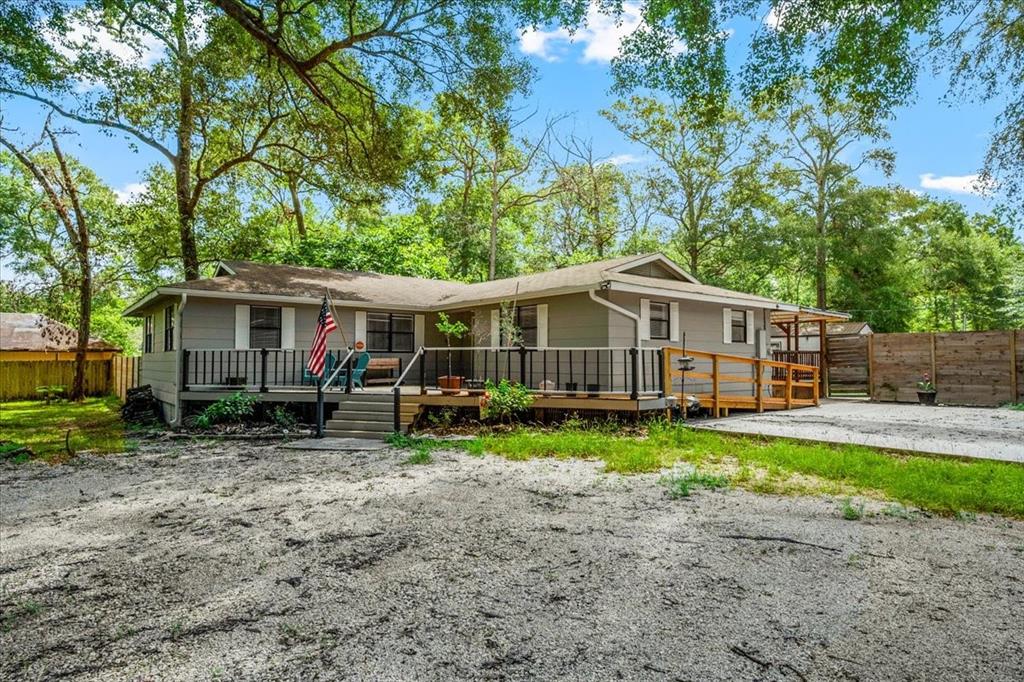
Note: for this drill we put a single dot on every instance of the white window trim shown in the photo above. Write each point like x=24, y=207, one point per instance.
x=242, y=326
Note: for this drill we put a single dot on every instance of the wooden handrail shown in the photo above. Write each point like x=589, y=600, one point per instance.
x=716, y=377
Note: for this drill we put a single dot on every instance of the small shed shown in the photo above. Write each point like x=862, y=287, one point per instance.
x=807, y=337
x=34, y=336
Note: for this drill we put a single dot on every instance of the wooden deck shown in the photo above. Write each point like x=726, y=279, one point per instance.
x=721, y=381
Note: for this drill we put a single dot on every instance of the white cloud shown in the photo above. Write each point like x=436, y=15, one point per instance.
x=776, y=15
x=622, y=159
x=131, y=192
x=601, y=36
x=957, y=184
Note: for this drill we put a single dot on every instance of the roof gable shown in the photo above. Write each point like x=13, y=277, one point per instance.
x=654, y=265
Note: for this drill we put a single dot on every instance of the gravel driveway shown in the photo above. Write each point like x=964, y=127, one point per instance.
x=981, y=432
x=242, y=562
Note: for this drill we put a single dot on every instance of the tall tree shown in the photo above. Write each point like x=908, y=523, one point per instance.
x=54, y=232
x=818, y=157
x=185, y=81
x=705, y=176
x=866, y=52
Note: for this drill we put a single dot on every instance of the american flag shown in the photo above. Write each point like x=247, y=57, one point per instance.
x=324, y=326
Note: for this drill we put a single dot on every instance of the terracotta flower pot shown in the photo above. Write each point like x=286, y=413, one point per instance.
x=450, y=383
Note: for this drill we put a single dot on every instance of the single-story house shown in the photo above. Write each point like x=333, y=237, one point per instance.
x=33, y=336
x=807, y=339
x=250, y=325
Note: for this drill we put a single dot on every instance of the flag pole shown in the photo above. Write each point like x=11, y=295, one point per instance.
x=320, y=406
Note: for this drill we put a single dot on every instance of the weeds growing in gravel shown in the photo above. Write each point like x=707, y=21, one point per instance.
x=851, y=511
x=684, y=477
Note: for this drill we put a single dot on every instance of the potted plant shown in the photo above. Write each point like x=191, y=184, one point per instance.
x=926, y=390
x=451, y=329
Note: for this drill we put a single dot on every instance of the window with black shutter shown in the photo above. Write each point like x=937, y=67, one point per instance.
x=147, y=334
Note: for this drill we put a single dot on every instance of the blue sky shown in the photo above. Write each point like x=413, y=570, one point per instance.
x=938, y=146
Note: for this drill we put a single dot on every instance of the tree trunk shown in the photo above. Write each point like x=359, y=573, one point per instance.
x=183, y=164
x=492, y=265
x=300, y=219
x=84, y=319
x=820, y=252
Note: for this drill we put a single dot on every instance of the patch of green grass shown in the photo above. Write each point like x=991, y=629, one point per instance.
x=767, y=465
x=682, y=479
x=95, y=424
x=420, y=456
x=851, y=511
x=1016, y=406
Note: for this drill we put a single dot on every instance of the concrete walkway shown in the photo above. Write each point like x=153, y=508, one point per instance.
x=964, y=431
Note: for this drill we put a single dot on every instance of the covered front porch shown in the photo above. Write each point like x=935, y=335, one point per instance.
x=790, y=323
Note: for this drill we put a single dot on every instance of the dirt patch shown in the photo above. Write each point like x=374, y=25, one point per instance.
x=240, y=561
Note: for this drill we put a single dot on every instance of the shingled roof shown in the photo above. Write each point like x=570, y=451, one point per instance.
x=246, y=278
x=37, y=332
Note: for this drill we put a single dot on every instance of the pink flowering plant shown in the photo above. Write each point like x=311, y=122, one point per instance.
x=926, y=385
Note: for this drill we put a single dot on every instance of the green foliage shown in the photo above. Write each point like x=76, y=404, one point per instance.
x=451, y=329
x=235, y=408
x=505, y=400
x=684, y=477
x=95, y=425
x=852, y=512
x=283, y=417
x=396, y=245
x=782, y=466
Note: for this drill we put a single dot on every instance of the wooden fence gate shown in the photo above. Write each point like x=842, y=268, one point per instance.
x=847, y=365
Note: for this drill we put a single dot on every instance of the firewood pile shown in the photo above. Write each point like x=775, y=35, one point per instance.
x=140, y=406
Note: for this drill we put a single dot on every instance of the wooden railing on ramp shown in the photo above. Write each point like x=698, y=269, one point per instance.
x=722, y=381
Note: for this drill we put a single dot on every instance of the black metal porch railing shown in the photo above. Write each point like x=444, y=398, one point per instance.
x=557, y=371
x=253, y=369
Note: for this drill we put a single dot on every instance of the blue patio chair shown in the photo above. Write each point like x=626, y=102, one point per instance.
x=358, y=371
x=310, y=378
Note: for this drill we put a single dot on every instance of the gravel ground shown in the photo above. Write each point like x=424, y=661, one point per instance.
x=245, y=561
x=981, y=432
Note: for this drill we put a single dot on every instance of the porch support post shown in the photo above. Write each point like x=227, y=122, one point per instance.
x=397, y=422
x=184, y=369
x=822, y=359
x=319, y=407
x=796, y=332
x=263, y=370
x=348, y=374
x=634, y=358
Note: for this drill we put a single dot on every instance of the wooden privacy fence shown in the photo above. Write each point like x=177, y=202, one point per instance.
x=722, y=381
x=20, y=378
x=967, y=368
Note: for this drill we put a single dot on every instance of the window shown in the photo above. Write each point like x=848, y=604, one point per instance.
x=739, y=326
x=659, y=320
x=169, y=328
x=264, y=327
x=526, y=322
x=389, y=332
x=147, y=334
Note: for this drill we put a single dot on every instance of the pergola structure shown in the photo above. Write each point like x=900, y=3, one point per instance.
x=789, y=322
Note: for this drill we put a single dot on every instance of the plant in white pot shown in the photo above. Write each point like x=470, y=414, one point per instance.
x=451, y=329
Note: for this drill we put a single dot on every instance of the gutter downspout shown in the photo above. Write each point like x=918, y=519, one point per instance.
x=178, y=329
x=621, y=311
